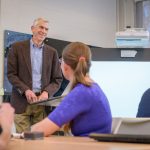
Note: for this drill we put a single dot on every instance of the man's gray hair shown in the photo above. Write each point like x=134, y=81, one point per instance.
x=36, y=21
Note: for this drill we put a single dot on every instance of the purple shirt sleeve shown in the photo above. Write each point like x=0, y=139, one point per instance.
x=70, y=106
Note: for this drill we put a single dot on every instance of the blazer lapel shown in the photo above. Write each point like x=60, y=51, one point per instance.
x=46, y=64
x=45, y=60
x=27, y=56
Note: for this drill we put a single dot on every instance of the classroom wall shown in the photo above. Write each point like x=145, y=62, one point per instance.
x=89, y=21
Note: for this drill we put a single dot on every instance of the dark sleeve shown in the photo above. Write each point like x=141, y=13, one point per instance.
x=62, y=87
x=144, y=105
x=14, y=63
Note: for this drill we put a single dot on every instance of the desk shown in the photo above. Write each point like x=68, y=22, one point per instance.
x=71, y=143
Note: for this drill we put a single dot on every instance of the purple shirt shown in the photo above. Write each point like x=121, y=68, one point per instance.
x=87, y=108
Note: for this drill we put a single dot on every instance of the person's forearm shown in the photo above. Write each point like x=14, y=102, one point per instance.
x=4, y=138
x=46, y=126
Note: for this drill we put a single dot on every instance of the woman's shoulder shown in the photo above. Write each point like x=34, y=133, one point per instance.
x=81, y=88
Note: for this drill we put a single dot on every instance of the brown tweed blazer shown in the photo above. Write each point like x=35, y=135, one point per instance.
x=20, y=74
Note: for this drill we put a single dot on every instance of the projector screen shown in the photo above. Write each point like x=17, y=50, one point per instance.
x=123, y=82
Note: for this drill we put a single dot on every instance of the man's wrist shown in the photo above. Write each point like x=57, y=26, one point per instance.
x=45, y=91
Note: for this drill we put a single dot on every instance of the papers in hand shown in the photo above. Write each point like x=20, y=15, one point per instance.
x=52, y=101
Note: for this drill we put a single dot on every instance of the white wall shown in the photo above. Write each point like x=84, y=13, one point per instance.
x=89, y=21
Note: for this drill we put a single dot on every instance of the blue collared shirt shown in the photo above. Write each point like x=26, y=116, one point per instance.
x=36, y=65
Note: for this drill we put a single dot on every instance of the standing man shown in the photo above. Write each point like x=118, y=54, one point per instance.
x=34, y=71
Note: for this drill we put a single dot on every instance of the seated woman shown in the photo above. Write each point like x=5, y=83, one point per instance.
x=86, y=107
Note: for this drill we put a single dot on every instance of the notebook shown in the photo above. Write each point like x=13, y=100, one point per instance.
x=127, y=138
x=53, y=101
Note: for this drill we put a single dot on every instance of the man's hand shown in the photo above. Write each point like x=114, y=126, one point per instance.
x=43, y=96
x=30, y=95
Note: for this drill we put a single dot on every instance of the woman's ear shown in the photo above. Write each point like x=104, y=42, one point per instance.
x=66, y=67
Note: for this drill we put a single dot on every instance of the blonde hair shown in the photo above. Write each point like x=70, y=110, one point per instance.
x=78, y=56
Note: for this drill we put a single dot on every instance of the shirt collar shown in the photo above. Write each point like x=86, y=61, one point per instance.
x=33, y=45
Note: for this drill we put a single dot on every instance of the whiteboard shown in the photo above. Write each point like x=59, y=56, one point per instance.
x=123, y=83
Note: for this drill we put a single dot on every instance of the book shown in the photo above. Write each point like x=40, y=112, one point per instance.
x=52, y=101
